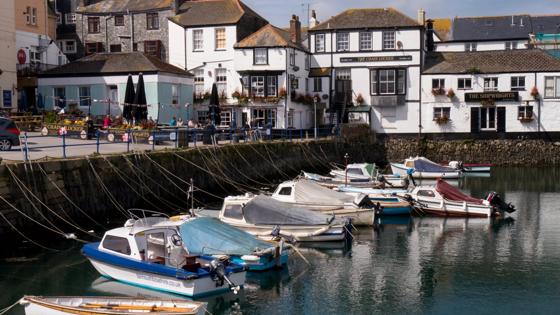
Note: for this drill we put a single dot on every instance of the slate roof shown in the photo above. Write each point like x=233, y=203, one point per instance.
x=121, y=6
x=489, y=28
x=212, y=12
x=367, y=18
x=504, y=61
x=546, y=24
x=269, y=36
x=113, y=64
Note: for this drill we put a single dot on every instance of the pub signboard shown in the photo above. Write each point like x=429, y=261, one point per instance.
x=375, y=59
x=492, y=97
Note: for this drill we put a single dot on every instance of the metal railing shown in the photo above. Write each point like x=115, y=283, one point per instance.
x=175, y=137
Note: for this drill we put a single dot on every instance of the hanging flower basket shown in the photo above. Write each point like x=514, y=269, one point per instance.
x=441, y=120
x=535, y=93
x=360, y=99
x=450, y=93
x=438, y=92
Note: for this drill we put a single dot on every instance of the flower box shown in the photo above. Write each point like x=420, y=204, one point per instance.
x=441, y=120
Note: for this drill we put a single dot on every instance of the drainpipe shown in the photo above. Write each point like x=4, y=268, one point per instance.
x=331, y=81
x=288, y=92
x=185, y=37
x=422, y=55
x=131, y=21
x=107, y=34
x=539, y=110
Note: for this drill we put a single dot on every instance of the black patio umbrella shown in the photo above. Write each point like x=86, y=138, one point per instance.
x=214, y=106
x=141, y=112
x=129, y=95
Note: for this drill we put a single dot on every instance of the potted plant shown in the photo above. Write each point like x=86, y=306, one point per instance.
x=282, y=93
x=535, y=93
x=236, y=95
x=450, y=93
x=360, y=99
x=441, y=120
x=438, y=91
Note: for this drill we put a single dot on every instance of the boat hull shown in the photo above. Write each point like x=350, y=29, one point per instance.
x=192, y=288
x=264, y=262
x=299, y=233
x=400, y=169
x=455, y=209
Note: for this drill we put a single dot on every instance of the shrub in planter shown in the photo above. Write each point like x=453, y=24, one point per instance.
x=535, y=92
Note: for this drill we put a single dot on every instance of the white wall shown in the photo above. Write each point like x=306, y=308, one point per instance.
x=27, y=40
x=410, y=39
x=480, y=46
x=177, y=50
x=276, y=60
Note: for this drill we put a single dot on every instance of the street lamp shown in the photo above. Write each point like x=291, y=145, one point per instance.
x=315, y=100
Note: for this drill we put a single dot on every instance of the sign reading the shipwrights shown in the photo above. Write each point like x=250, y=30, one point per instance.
x=376, y=58
x=492, y=96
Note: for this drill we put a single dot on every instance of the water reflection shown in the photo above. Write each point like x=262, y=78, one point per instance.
x=405, y=265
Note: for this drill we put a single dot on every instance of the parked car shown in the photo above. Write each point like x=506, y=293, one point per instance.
x=9, y=134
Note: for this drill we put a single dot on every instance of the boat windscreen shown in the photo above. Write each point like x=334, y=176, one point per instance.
x=264, y=210
x=451, y=193
x=422, y=165
x=210, y=236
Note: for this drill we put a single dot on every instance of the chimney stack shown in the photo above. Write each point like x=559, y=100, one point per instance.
x=421, y=17
x=295, y=29
x=430, y=45
x=313, y=20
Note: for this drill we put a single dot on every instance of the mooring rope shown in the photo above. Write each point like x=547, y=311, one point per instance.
x=68, y=198
x=239, y=186
x=25, y=236
x=50, y=210
x=273, y=165
x=249, y=165
x=106, y=190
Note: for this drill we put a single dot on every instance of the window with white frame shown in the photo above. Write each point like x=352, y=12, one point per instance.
x=525, y=112
x=552, y=87
x=488, y=118
x=342, y=41
x=84, y=93
x=343, y=74
x=366, y=41
x=257, y=86
x=33, y=16
x=464, y=83
x=511, y=45
x=291, y=118
x=441, y=112
x=517, y=83
x=221, y=81
x=70, y=18
x=198, y=40
x=199, y=82
x=387, y=82
x=225, y=120
x=174, y=94
x=271, y=86
x=28, y=15
x=388, y=40
x=438, y=84
x=34, y=55
x=264, y=117
x=319, y=42
x=261, y=56
x=470, y=46
x=317, y=84
x=69, y=46
x=490, y=84
x=220, y=34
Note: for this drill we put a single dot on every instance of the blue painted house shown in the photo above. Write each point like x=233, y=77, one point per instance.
x=96, y=84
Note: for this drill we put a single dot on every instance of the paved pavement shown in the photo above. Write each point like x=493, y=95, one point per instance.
x=51, y=146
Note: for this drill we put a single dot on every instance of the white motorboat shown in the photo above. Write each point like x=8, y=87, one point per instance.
x=422, y=168
x=308, y=194
x=366, y=172
x=471, y=168
x=446, y=200
x=149, y=252
x=268, y=218
x=94, y=305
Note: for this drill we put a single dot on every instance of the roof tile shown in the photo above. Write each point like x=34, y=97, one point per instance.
x=367, y=18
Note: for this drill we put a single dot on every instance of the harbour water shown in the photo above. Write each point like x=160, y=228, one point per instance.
x=404, y=266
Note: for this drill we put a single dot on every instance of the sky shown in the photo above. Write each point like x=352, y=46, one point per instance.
x=279, y=12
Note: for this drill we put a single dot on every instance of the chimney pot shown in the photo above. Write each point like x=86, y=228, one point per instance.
x=295, y=29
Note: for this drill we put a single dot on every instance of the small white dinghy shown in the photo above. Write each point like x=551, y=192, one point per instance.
x=62, y=305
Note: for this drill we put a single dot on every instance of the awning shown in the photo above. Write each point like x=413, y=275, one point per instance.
x=359, y=109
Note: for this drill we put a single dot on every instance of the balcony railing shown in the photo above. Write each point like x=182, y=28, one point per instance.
x=32, y=69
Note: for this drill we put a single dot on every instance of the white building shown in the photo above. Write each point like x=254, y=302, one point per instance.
x=371, y=57
x=491, y=93
x=8, y=76
x=201, y=40
x=274, y=69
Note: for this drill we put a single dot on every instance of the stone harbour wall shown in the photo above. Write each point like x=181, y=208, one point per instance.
x=502, y=152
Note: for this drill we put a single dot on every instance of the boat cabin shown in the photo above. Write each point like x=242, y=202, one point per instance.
x=232, y=209
x=153, y=239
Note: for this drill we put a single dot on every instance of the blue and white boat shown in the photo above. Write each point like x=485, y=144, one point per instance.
x=149, y=252
x=390, y=203
x=423, y=168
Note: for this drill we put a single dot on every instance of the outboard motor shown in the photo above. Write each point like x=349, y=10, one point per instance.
x=496, y=200
x=409, y=175
x=378, y=209
x=218, y=273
